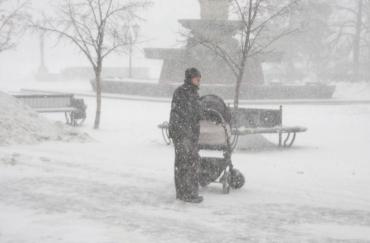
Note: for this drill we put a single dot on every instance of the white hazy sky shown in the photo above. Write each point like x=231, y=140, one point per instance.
x=160, y=29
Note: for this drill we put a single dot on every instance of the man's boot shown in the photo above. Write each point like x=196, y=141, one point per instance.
x=192, y=199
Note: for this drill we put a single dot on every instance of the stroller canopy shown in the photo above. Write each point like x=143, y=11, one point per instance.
x=215, y=124
x=213, y=102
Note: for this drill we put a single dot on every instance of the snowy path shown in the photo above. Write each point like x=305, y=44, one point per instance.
x=120, y=188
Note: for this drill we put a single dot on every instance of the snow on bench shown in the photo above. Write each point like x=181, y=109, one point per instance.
x=45, y=102
x=247, y=121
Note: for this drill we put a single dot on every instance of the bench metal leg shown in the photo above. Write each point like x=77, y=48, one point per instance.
x=73, y=120
x=290, y=144
x=280, y=139
x=234, y=141
x=68, y=117
x=166, y=136
x=288, y=141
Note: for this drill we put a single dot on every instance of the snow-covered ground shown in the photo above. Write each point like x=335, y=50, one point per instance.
x=119, y=187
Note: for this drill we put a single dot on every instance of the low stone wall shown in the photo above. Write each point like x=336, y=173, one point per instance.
x=224, y=91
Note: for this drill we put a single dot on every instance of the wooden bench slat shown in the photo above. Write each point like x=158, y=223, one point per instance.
x=51, y=110
x=57, y=102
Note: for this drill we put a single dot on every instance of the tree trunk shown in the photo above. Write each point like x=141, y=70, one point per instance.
x=237, y=91
x=42, y=52
x=367, y=6
x=130, y=61
x=357, y=43
x=239, y=80
x=98, y=72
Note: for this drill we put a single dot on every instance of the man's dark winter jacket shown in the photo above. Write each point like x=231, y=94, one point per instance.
x=185, y=113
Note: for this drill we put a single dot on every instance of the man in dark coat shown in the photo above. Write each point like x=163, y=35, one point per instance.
x=184, y=131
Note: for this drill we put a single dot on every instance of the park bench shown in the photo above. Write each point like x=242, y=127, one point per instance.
x=47, y=102
x=247, y=121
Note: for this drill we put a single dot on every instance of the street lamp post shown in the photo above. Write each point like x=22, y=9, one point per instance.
x=132, y=32
x=42, y=70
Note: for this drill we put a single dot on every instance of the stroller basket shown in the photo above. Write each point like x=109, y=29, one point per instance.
x=211, y=169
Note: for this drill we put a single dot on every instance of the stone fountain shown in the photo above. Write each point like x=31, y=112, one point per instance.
x=213, y=25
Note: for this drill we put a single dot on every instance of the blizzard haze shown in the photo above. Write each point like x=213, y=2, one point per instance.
x=160, y=29
x=104, y=155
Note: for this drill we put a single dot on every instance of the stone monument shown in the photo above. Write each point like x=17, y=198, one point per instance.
x=214, y=25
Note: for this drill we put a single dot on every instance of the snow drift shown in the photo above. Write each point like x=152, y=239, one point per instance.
x=19, y=124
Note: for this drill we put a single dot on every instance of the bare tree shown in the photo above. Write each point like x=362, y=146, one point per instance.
x=257, y=32
x=352, y=31
x=12, y=16
x=357, y=41
x=96, y=28
x=308, y=53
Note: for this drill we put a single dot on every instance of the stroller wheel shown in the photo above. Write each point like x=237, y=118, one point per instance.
x=225, y=182
x=237, y=179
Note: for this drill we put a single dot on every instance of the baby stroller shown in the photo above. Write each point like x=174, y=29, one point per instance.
x=215, y=135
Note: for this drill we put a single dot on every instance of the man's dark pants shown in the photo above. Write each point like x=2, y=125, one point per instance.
x=186, y=168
